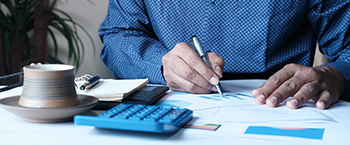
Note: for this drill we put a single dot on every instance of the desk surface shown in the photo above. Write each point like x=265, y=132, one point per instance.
x=235, y=114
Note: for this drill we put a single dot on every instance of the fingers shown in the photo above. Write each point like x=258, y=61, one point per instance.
x=277, y=88
x=186, y=86
x=325, y=87
x=184, y=70
x=324, y=84
x=324, y=101
x=217, y=63
x=304, y=94
x=185, y=77
x=195, y=62
x=190, y=56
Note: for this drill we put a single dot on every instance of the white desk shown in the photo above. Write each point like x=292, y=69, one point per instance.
x=335, y=122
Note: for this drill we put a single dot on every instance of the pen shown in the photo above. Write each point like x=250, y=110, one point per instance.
x=198, y=46
x=90, y=83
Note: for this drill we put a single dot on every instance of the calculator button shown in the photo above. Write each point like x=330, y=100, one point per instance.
x=122, y=106
x=119, y=116
x=105, y=115
x=139, y=115
x=164, y=109
x=177, y=112
x=115, y=111
x=170, y=116
x=134, y=118
x=166, y=120
x=149, y=119
x=155, y=116
x=152, y=107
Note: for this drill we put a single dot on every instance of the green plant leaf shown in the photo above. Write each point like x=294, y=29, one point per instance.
x=78, y=56
x=64, y=33
x=66, y=15
x=75, y=25
x=65, y=30
x=87, y=33
x=54, y=42
x=52, y=59
x=17, y=18
x=8, y=4
x=30, y=5
x=73, y=47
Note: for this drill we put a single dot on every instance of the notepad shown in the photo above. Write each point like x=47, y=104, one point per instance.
x=114, y=90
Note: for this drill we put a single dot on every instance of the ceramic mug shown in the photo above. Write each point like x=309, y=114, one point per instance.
x=48, y=86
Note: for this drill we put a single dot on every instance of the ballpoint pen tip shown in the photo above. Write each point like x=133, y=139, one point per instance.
x=222, y=95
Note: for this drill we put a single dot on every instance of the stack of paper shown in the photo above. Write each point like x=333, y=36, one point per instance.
x=114, y=90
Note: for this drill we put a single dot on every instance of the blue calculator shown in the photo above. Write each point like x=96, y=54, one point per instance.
x=134, y=117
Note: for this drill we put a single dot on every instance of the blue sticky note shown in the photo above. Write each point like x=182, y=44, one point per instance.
x=309, y=133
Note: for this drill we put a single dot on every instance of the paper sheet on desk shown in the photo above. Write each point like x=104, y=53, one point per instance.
x=239, y=106
x=114, y=90
x=12, y=92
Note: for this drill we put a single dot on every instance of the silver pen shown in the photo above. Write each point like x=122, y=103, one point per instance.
x=198, y=46
x=90, y=83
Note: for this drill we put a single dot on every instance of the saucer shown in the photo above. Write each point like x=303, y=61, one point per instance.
x=48, y=115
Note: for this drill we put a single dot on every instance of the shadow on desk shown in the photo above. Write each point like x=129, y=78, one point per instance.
x=123, y=133
x=139, y=135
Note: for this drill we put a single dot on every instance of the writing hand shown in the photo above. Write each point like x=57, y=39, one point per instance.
x=185, y=71
x=324, y=84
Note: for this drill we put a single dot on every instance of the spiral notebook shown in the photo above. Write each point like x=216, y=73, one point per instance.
x=114, y=90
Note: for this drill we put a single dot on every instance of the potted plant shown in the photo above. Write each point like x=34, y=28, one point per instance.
x=25, y=26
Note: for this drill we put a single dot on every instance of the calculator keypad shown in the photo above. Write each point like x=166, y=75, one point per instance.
x=144, y=112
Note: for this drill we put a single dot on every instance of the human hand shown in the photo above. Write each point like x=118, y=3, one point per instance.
x=184, y=70
x=324, y=84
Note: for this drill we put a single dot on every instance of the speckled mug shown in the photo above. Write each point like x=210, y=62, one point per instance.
x=48, y=86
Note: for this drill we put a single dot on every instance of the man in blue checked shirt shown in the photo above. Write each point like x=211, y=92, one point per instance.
x=243, y=39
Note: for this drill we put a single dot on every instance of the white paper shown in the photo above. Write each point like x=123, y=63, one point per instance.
x=111, y=89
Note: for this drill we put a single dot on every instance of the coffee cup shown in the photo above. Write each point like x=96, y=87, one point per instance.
x=48, y=86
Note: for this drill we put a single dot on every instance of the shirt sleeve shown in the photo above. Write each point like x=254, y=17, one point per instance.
x=130, y=47
x=330, y=22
